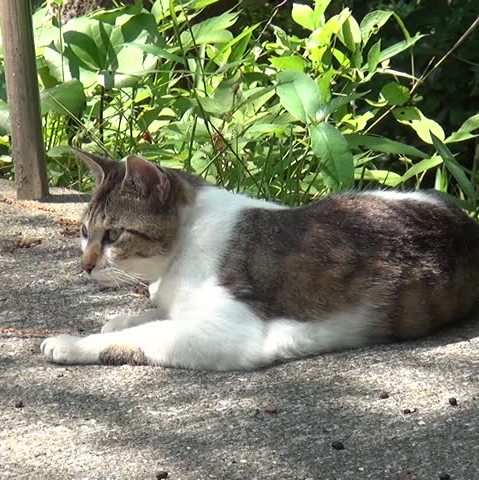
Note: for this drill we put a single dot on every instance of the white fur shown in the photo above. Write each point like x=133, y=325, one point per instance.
x=202, y=326
x=121, y=322
x=399, y=196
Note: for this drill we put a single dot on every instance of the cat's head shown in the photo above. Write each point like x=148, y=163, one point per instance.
x=131, y=225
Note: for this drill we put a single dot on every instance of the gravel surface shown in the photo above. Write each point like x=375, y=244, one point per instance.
x=335, y=417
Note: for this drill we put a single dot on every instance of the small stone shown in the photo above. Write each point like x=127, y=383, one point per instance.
x=18, y=404
x=383, y=395
x=270, y=409
x=444, y=476
x=161, y=475
x=337, y=445
x=453, y=401
x=407, y=411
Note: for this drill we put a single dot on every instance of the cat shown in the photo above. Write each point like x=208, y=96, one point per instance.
x=240, y=283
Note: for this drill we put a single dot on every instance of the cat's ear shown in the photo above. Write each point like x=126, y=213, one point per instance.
x=98, y=165
x=147, y=177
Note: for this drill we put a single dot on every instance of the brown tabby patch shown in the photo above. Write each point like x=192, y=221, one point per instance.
x=414, y=265
x=123, y=355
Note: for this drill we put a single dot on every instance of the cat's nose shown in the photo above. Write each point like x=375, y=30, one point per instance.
x=90, y=256
x=88, y=267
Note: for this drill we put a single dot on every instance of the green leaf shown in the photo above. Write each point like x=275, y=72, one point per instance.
x=403, y=28
x=413, y=117
x=441, y=181
x=350, y=34
x=60, y=152
x=471, y=124
x=303, y=15
x=372, y=22
x=91, y=42
x=157, y=51
x=464, y=132
x=160, y=9
x=373, y=56
x=421, y=167
x=256, y=97
x=293, y=62
x=211, y=31
x=382, y=144
x=398, y=48
x=384, y=177
x=321, y=37
x=357, y=57
x=66, y=98
x=359, y=122
x=324, y=84
x=453, y=166
x=91, y=45
x=200, y=4
x=240, y=43
x=395, y=94
x=299, y=95
x=213, y=106
x=460, y=137
x=337, y=165
x=3, y=86
x=63, y=69
x=320, y=7
x=5, y=126
x=335, y=104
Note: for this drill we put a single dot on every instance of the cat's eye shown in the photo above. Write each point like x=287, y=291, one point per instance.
x=112, y=235
x=84, y=231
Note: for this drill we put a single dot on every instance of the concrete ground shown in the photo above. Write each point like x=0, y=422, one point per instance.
x=140, y=422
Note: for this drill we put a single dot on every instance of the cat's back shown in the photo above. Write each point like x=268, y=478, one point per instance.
x=412, y=256
x=374, y=221
x=370, y=223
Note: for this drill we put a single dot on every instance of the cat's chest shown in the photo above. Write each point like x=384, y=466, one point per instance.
x=194, y=271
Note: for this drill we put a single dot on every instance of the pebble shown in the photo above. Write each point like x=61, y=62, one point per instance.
x=407, y=411
x=270, y=409
x=383, y=394
x=453, y=401
x=444, y=476
x=337, y=445
x=18, y=404
x=161, y=474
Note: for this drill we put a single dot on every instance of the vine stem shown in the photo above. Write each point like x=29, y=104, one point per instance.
x=426, y=73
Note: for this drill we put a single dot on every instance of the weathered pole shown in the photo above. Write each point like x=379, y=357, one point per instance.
x=23, y=99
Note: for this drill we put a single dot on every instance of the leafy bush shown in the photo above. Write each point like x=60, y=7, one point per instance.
x=288, y=117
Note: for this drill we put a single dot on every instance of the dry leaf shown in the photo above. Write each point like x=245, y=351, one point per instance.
x=21, y=243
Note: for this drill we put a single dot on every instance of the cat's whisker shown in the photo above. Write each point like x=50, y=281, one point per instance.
x=126, y=277
x=122, y=278
x=113, y=278
x=137, y=278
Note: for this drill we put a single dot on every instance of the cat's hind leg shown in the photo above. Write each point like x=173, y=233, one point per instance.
x=287, y=339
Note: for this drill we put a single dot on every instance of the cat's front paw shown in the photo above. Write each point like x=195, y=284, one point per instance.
x=62, y=349
x=116, y=324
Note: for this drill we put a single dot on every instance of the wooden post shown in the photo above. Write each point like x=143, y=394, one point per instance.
x=23, y=99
